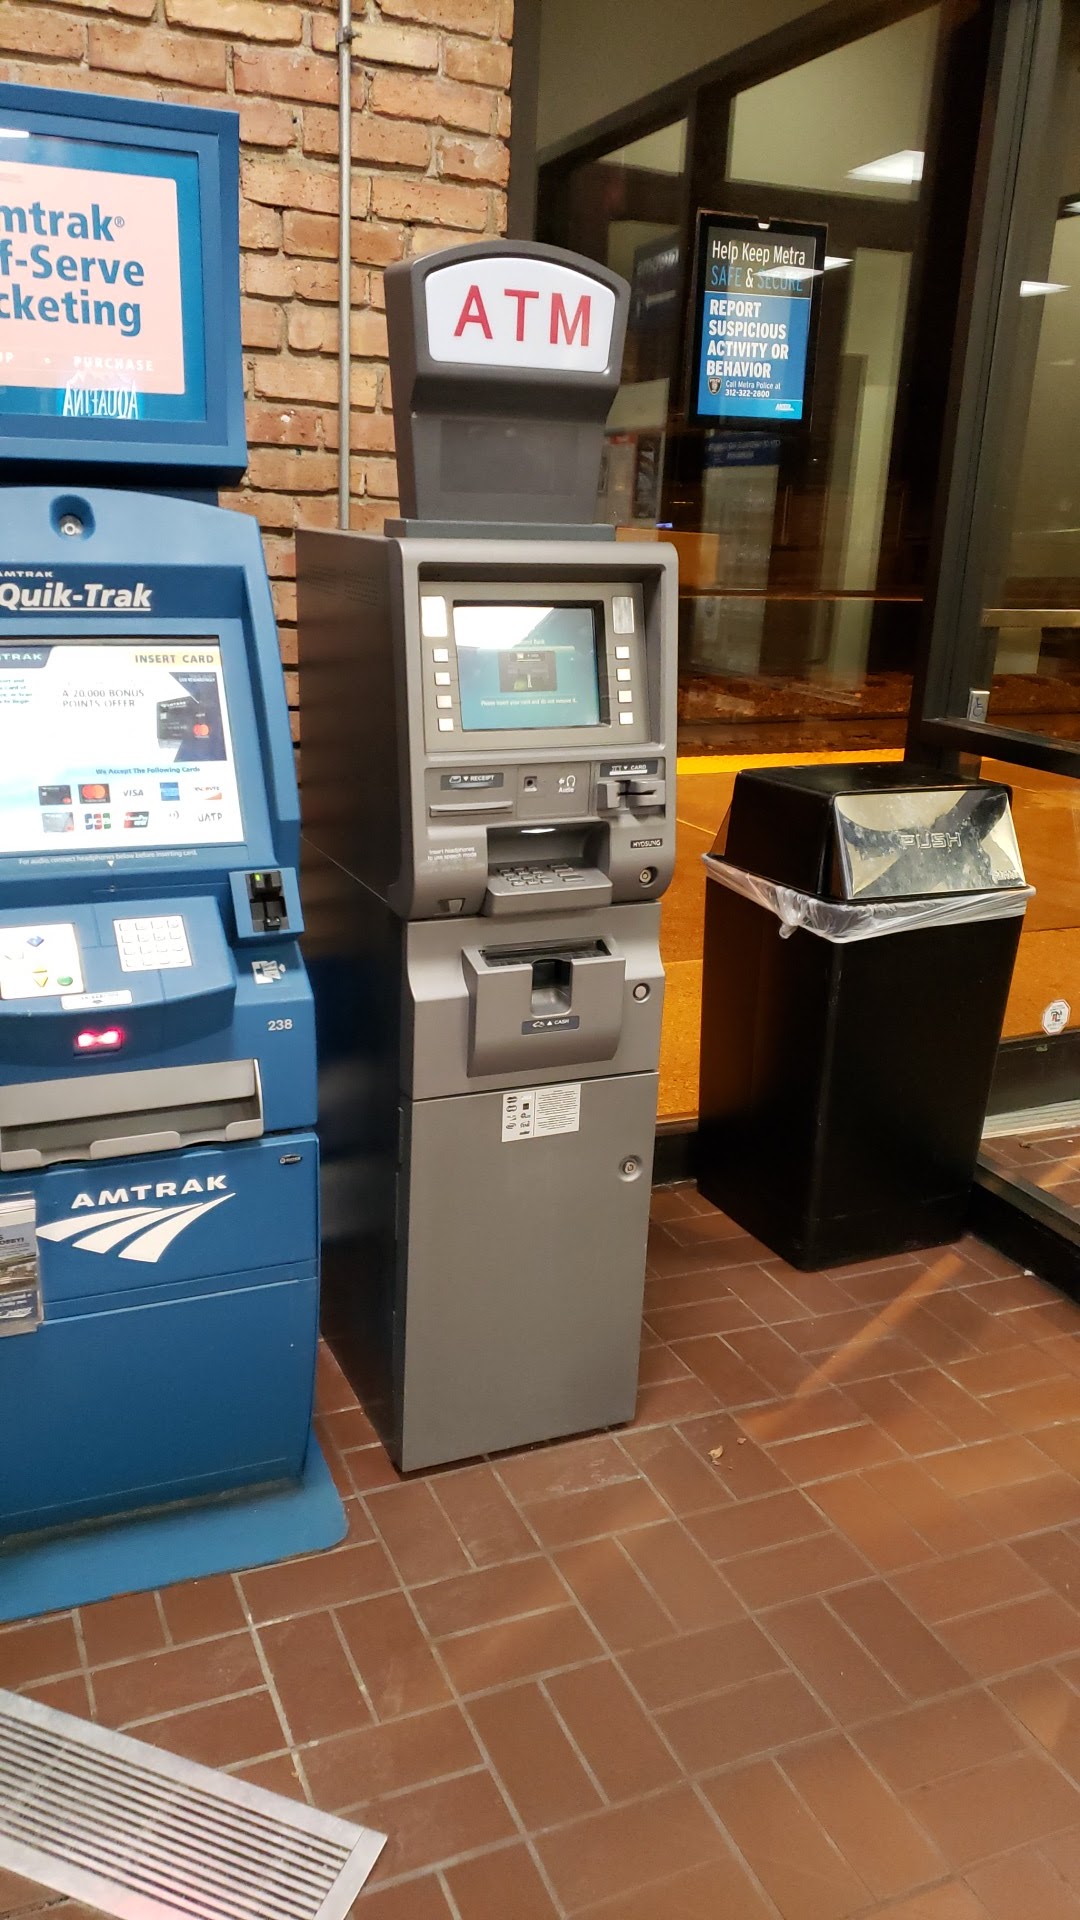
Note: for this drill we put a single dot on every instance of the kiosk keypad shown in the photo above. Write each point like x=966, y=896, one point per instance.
x=148, y=945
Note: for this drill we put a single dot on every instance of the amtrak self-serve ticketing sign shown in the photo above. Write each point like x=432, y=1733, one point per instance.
x=756, y=296
x=119, y=334
x=93, y=315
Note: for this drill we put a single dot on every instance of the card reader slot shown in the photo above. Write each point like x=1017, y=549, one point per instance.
x=146, y=1111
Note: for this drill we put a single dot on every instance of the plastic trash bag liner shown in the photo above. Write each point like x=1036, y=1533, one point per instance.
x=843, y=921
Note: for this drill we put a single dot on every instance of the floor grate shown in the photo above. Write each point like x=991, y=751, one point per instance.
x=145, y=1835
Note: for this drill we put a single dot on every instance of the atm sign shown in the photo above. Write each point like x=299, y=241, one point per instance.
x=502, y=311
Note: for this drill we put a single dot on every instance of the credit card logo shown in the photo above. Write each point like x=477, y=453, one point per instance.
x=136, y=819
x=57, y=820
x=94, y=790
x=54, y=796
x=169, y=789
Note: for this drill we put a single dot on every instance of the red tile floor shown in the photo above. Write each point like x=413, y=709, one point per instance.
x=804, y=1641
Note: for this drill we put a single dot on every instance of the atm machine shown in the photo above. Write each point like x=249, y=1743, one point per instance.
x=488, y=772
x=158, y=1161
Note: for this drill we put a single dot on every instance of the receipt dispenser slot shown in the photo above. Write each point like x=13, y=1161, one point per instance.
x=543, y=1004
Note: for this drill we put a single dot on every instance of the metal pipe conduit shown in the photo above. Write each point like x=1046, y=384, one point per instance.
x=344, y=49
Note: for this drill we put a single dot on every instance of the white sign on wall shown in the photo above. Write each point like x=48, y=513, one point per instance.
x=507, y=311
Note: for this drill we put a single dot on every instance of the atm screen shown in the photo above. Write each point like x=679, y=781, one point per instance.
x=115, y=744
x=527, y=666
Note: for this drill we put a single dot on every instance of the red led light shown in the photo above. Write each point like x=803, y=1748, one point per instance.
x=93, y=1037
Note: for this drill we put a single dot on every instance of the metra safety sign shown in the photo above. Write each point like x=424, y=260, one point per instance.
x=90, y=280
x=756, y=297
x=516, y=311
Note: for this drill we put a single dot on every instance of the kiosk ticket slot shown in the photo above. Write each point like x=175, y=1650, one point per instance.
x=483, y=886
x=158, y=1167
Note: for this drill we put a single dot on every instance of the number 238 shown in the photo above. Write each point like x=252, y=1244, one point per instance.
x=279, y=1026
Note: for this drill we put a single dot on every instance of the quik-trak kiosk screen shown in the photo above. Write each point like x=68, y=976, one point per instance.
x=115, y=744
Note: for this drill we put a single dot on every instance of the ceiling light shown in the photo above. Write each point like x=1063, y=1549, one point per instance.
x=901, y=169
x=1030, y=288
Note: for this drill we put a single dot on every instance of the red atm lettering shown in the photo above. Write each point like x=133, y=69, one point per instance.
x=521, y=294
x=570, y=327
x=574, y=330
x=473, y=314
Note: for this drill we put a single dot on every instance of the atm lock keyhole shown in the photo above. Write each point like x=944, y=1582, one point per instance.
x=552, y=984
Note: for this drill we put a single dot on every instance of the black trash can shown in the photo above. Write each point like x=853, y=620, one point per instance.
x=861, y=925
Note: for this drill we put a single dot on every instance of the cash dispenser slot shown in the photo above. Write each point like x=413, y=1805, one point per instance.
x=543, y=1004
x=150, y=1110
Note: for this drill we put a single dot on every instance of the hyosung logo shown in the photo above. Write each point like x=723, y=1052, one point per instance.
x=102, y=1224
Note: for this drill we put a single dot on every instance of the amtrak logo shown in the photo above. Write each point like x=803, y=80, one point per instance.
x=149, y=1231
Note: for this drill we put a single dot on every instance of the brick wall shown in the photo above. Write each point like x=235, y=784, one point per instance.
x=431, y=117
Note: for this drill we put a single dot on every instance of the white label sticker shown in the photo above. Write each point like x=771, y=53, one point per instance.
x=433, y=616
x=1056, y=1016
x=530, y=1112
x=622, y=613
x=266, y=973
x=91, y=1002
x=20, y=1281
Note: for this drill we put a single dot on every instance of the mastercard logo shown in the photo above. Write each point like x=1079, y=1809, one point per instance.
x=200, y=730
x=98, y=792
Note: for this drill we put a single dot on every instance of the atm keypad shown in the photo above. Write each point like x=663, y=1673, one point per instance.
x=152, y=944
x=531, y=876
x=534, y=889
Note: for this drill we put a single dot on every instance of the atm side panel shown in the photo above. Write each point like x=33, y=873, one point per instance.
x=490, y=1362
x=351, y=700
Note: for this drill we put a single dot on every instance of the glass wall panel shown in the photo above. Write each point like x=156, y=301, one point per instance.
x=1031, y=603
x=802, y=605
x=802, y=545
x=1033, y=1134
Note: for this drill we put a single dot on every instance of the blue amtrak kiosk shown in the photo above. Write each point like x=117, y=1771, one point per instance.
x=159, y=1220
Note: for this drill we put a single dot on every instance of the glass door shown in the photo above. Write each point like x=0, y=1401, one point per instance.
x=1002, y=675
x=803, y=544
